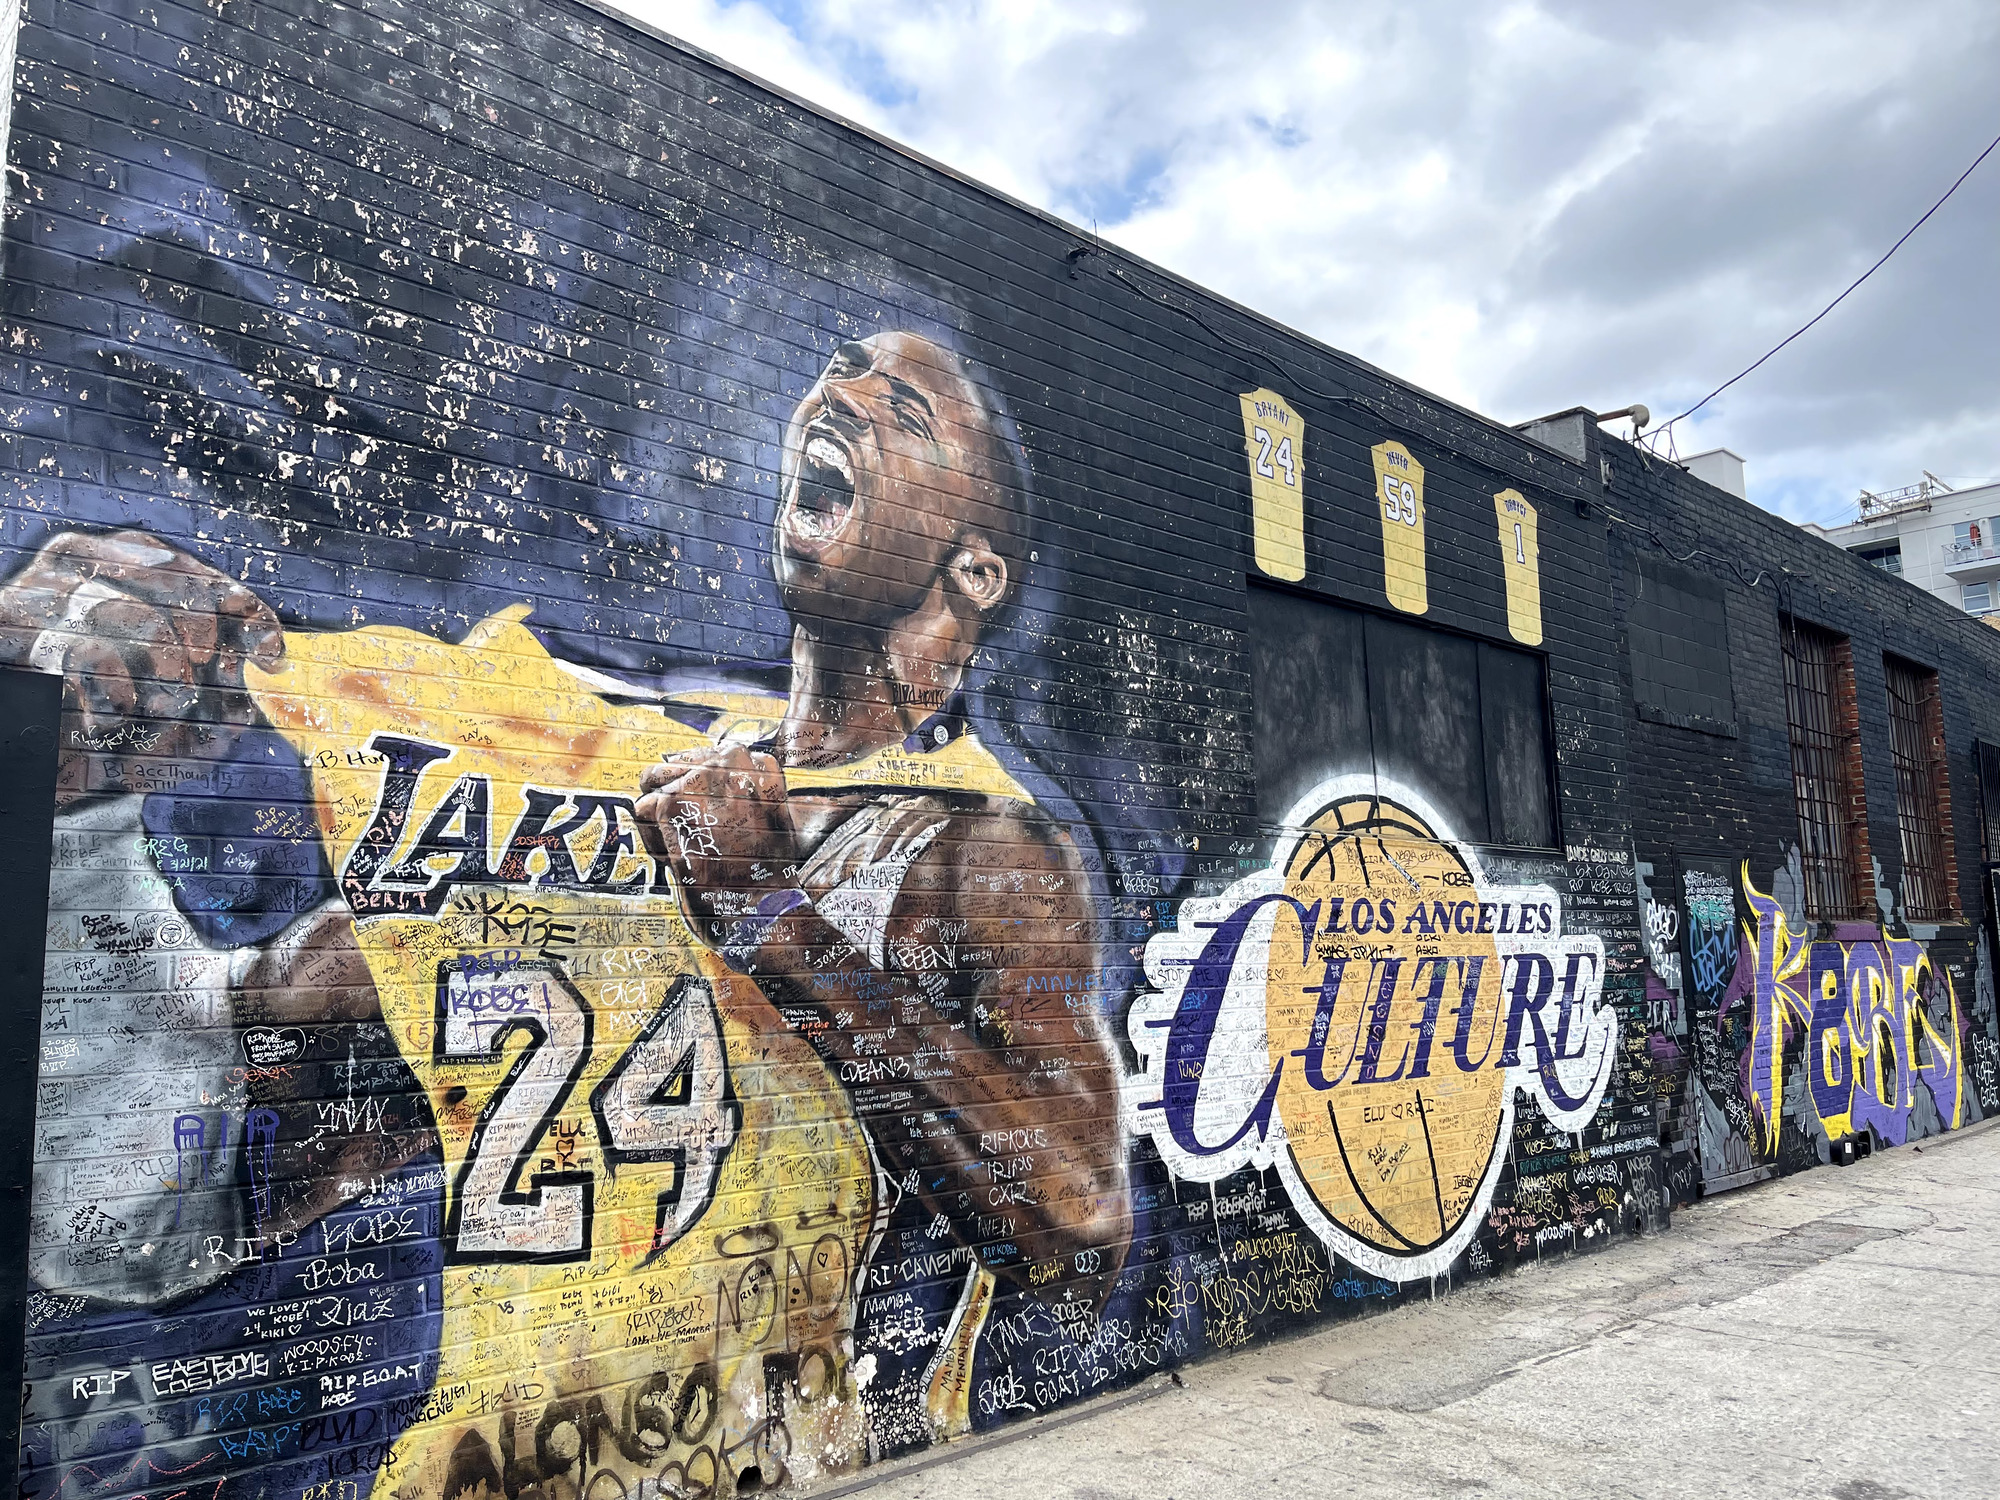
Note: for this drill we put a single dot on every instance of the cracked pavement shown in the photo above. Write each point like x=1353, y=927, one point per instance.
x=1834, y=1335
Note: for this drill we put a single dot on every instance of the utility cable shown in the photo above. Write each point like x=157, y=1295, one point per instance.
x=1667, y=426
x=1651, y=534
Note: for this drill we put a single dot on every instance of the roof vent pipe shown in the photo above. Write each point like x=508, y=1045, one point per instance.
x=1640, y=417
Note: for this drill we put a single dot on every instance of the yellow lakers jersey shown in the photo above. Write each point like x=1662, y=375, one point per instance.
x=657, y=1198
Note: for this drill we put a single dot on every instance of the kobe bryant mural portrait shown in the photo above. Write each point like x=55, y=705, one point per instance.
x=663, y=878
x=600, y=1036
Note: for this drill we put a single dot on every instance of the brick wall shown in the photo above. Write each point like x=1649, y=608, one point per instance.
x=1711, y=802
x=424, y=419
x=1848, y=709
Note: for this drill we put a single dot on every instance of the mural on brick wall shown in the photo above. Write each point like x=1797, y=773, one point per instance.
x=1796, y=1044
x=661, y=1086
x=623, y=920
x=1362, y=1016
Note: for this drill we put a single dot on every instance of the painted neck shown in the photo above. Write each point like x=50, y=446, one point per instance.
x=856, y=692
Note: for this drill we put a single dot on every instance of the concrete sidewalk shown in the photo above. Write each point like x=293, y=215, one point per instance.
x=1834, y=1335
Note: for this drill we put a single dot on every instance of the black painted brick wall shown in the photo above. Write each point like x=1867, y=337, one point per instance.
x=1702, y=794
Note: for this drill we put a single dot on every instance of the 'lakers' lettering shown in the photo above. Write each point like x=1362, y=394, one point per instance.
x=454, y=846
x=594, y=1072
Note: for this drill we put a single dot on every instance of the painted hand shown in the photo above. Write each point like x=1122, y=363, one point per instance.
x=151, y=644
x=721, y=819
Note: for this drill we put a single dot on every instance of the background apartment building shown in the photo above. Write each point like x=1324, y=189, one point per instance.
x=1941, y=539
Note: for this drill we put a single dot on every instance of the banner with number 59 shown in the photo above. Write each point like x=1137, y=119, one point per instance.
x=1399, y=498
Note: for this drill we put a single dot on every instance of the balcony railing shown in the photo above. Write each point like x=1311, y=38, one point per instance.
x=1965, y=554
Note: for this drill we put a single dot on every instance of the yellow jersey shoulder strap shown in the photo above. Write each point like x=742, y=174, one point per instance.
x=959, y=764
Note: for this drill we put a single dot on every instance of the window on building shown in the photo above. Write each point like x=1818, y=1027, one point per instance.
x=1986, y=761
x=1923, y=791
x=1462, y=723
x=1986, y=758
x=1888, y=558
x=1977, y=598
x=1821, y=715
x=1970, y=536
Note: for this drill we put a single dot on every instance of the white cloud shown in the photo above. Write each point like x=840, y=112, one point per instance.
x=1524, y=209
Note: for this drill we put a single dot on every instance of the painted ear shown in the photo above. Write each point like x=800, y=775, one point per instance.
x=978, y=572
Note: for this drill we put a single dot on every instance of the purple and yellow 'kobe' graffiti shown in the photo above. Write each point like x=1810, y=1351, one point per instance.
x=1867, y=1010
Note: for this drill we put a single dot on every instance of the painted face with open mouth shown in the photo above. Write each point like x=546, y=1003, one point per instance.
x=875, y=483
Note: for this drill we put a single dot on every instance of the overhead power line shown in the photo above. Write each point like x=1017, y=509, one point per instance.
x=1666, y=426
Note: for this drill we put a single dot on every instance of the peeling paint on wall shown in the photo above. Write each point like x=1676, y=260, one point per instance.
x=10, y=30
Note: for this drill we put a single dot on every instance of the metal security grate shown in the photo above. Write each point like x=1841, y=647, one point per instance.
x=1912, y=715
x=1819, y=771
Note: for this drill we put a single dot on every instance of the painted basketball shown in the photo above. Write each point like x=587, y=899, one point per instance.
x=1388, y=1020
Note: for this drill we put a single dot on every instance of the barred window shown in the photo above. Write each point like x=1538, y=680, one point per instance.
x=1826, y=770
x=1986, y=761
x=1916, y=737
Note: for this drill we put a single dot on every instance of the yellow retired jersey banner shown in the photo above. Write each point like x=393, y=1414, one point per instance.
x=1275, y=436
x=1521, y=563
x=1399, y=496
x=656, y=1192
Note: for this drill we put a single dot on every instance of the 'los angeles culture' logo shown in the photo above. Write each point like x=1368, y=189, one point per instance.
x=1361, y=1015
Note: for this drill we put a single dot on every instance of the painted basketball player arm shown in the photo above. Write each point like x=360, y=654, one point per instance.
x=1000, y=1100
x=151, y=644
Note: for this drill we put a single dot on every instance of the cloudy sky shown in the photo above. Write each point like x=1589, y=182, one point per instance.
x=1523, y=207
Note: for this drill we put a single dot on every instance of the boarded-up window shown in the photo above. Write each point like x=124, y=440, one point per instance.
x=1461, y=723
x=1826, y=769
x=1677, y=634
x=1916, y=738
